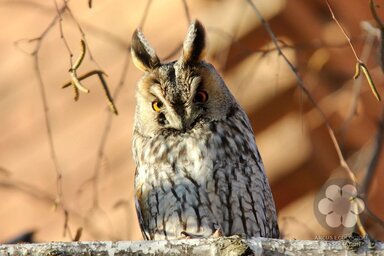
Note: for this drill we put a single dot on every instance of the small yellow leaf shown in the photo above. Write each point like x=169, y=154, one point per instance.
x=357, y=71
x=370, y=81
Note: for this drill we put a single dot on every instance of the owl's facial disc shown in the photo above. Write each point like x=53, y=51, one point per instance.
x=179, y=94
x=182, y=105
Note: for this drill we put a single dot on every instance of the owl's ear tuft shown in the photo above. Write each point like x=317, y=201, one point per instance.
x=143, y=55
x=194, y=43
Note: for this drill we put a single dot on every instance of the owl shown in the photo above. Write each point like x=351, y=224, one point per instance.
x=198, y=169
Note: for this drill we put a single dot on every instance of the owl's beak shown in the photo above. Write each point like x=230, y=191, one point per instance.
x=181, y=120
x=179, y=123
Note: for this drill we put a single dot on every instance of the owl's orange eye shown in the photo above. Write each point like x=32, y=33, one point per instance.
x=201, y=97
x=157, y=105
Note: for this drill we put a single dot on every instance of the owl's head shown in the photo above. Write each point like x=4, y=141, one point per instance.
x=178, y=95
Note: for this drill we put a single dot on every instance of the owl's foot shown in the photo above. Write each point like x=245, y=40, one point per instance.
x=189, y=235
x=218, y=233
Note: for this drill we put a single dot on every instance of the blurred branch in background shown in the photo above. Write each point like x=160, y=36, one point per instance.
x=359, y=66
x=380, y=25
x=368, y=44
x=77, y=85
x=59, y=173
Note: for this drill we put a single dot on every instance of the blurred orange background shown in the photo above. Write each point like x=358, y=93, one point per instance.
x=297, y=150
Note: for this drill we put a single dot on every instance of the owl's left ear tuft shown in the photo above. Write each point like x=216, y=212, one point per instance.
x=194, y=43
x=143, y=55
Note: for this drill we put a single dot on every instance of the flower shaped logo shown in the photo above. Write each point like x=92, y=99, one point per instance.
x=341, y=206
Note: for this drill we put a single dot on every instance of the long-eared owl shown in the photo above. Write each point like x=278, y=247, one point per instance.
x=199, y=171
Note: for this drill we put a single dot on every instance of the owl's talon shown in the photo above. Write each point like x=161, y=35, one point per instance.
x=189, y=235
x=218, y=233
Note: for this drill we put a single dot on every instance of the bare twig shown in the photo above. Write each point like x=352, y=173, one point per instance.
x=173, y=53
x=63, y=38
x=59, y=175
x=30, y=190
x=359, y=63
x=343, y=31
x=186, y=10
x=76, y=84
x=368, y=44
x=145, y=14
x=106, y=132
x=80, y=29
x=4, y=172
x=79, y=232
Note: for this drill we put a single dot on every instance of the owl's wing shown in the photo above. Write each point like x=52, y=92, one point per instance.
x=143, y=229
x=242, y=199
x=141, y=220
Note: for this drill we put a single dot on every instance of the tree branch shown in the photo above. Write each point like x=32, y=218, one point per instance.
x=210, y=246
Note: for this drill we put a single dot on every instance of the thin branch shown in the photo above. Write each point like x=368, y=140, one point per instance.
x=359, y=63
x=76, y=84
x=343, y=31
x=87, y=26
x=173, y=52
x=107, y=93
x=77, y=237
x=106, y=132
x=368, y=44
x=59, y=175
x=186, y=10
x=145, y=14
x=63, y=38
x=83, y=36
x=40, y=38
x=30, y=190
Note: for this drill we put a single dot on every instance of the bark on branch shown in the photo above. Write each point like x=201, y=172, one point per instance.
x=211, y=246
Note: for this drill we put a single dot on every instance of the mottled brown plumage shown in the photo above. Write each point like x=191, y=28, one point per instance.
x=198, y=167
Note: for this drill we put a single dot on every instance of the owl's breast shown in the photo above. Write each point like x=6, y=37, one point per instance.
x=169, y=182
x=175, y=155
x=197, y=152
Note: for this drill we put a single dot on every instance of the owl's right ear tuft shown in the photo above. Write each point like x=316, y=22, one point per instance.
x=143, y=55
x=194, y=43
